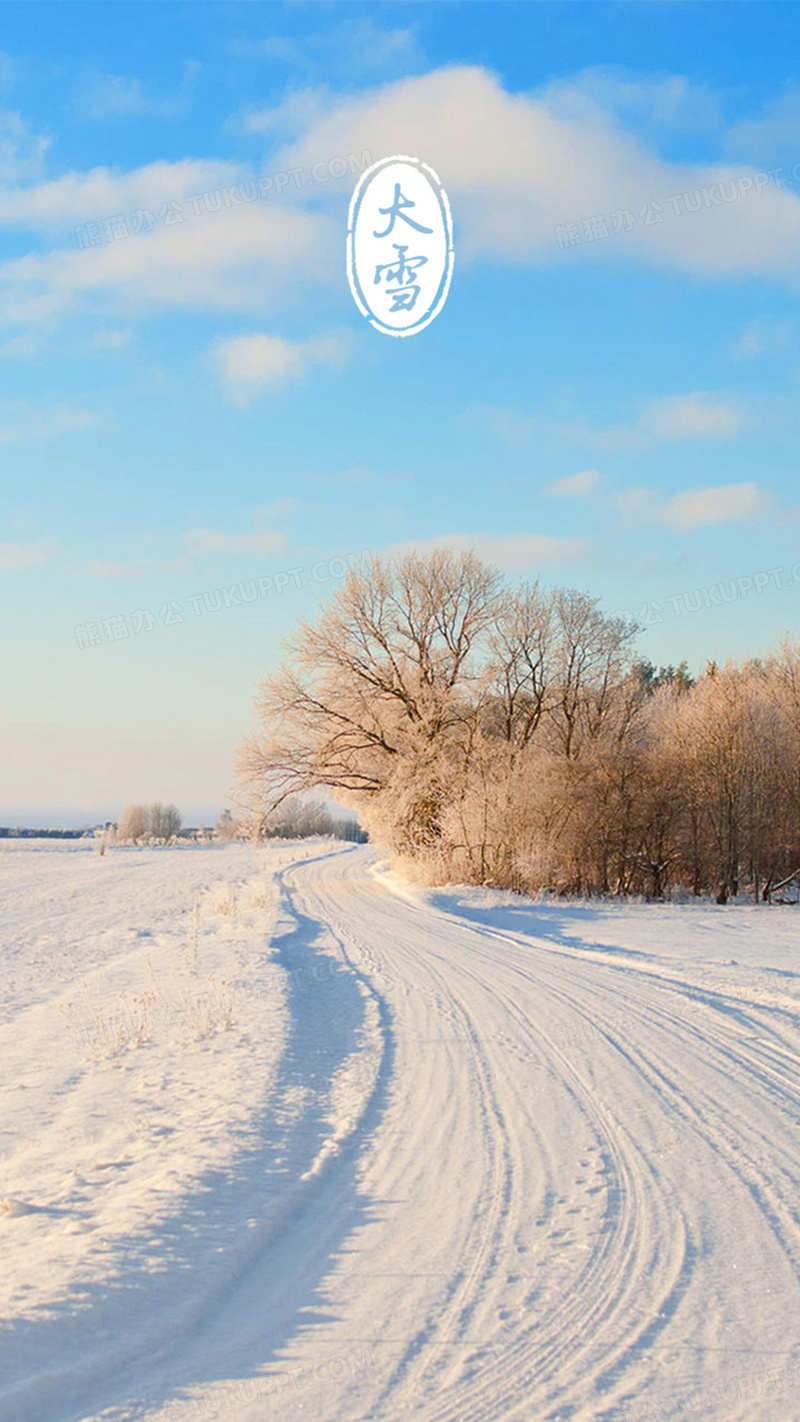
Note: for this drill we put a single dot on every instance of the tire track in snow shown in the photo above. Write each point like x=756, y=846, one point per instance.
x=613, y=1272
x=614, y=1265
x=676, y=1099
x=416, y=1362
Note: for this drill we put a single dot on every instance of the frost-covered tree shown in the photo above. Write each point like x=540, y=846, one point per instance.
x=165, y=822
x=375, y=692
x=134, y=824
x=419, y=694
x=506, y=735
x=225, y=828
x=299, y=818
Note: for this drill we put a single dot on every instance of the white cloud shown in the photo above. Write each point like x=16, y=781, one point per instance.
x=110, y=568
x=7, y=70
x=22, y=153
x=671, y=419
x=110, y=340
x=111, y=96
x=250, y=365
x=19, y=347
x=516, y=166
x=670, y=101
x=763, y=338
x=245, y=259
x=16, y=556
x=232, y=251
x=695, y=416
x=726, y=503
x=277, y=508
x=774, y=134
x=509, y=425
x=62, y=203
x=302, y=108
x=103, y=96
x=695, y=508
x=197, y=544
x=260, y=542
x=574, y=486
x=634, y=502
x=21, y=423
x=371, y=49
x=353, y=46
x=511, y=552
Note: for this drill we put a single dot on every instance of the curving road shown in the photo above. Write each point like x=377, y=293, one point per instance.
x=566, y=1186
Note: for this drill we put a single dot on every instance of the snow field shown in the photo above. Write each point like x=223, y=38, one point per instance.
x=144, y=1014
x=289, y=1137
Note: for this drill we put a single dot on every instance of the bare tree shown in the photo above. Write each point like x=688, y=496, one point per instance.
x=374, y=689
x=134, y=824
x=298, y=818
x=165, y=822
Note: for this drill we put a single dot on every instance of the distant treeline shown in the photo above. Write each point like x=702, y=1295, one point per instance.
x=304, y=819
x=6, y=832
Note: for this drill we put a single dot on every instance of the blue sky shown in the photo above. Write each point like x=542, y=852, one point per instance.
x=198, y=403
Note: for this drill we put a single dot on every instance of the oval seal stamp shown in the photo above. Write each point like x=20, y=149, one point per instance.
x=399, y=245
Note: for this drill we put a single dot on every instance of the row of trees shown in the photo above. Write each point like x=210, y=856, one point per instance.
x=153, y=824
x=509, y=736
x=294, y=818
x=303, y=818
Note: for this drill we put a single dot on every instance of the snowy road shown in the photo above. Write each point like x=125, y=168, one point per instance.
x=517, y=1161
x=581, y=1178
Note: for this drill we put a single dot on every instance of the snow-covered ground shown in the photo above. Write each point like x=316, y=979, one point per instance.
x=283, y=1136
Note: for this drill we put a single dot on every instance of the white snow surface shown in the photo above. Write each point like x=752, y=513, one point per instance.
x=284, y=1136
